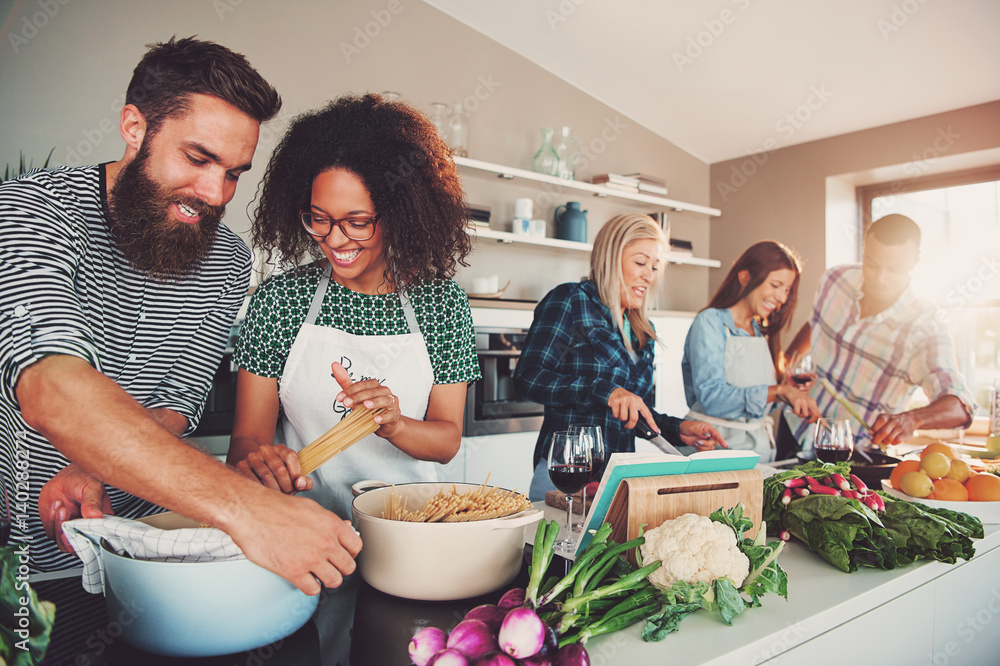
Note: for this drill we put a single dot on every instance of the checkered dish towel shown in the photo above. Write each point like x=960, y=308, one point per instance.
x=143, y=542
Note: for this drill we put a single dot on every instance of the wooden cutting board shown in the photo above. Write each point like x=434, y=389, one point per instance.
x=653, y=499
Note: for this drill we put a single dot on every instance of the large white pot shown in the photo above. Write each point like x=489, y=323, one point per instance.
x=199, y=609
x=436, y=561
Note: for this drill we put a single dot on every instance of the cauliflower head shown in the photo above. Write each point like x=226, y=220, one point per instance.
x=694, y=548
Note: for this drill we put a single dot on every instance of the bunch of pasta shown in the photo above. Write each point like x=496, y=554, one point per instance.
x=351, y=429
x=451, y=506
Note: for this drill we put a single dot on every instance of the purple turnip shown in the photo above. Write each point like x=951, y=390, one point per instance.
x=512, y=599
x=492, y=615
x=573, y=654
x=522, y=633
x=448, y=658
x=495, y=659
x=537, y=660
x=473, y=638
x=425, y=644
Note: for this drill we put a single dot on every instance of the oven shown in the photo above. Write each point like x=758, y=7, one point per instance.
x=491, y=406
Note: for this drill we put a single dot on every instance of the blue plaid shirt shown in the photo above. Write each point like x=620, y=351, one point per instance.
x=573, y=358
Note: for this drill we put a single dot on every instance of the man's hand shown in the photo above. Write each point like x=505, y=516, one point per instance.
x=297, y=539
x=894, y=428
x=701, y=436
x=71, y=494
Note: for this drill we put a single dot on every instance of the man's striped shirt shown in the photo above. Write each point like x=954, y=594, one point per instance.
x=65, y=288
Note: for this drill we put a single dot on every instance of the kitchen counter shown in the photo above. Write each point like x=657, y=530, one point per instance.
x=927, y=613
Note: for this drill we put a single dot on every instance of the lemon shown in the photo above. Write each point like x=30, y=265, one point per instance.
x=935, y=465
x=916, y=484
x=993, y=442
x=959, y=471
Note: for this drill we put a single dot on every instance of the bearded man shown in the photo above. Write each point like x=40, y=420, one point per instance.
x=118, y=287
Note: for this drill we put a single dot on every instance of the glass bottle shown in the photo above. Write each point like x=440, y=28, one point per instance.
x=458, y=131
x=438, y=115
x=546, y=159
x=568, y=150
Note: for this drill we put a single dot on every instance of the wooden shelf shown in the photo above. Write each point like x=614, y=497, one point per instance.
x=510, y=173
x=507, y=237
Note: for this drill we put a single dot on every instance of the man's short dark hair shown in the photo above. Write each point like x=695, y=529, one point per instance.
x=894, y=229
x=171, y=72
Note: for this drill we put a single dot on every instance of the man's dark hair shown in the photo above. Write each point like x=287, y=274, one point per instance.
x=171, y=72
x=406, y=168
x=894, y=229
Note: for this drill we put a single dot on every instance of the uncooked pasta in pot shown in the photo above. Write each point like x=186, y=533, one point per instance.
x=452, y=506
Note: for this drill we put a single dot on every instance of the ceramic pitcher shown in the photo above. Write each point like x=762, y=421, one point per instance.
x=571, y=222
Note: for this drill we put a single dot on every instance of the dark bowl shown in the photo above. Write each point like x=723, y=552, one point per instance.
x=873, y=472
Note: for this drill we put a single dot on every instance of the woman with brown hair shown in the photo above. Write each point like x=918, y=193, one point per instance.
x=731, y=354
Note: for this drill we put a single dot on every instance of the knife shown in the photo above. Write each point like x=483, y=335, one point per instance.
x=643, y=429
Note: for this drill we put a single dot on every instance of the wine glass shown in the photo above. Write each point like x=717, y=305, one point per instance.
x=569, y=471
x=802, y=372
x=595, y=437
x=834, y=441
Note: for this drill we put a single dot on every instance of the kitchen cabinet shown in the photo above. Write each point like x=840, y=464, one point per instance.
x=479, y=168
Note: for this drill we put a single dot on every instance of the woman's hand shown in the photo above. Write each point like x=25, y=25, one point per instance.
x=627, y=406
x=800, y=402
x=701, y=436
x=372, y=395
x=275, y=466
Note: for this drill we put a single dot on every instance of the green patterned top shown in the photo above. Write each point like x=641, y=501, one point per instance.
x=280, y=304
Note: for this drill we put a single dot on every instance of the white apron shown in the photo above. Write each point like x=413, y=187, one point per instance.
x=747, y=363
x=307, y=390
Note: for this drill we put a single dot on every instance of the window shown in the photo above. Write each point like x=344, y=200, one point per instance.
x=959, y=218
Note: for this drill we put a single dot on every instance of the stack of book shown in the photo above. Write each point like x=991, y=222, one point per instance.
x=479, y=215
x=616, y=181
x=633, y=182
x=679, y=246
x=649, y=184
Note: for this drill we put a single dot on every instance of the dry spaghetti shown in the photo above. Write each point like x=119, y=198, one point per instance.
x=352, y=428
x=451, y=506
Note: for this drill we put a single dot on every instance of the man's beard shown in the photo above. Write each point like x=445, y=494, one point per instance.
x=144, y=230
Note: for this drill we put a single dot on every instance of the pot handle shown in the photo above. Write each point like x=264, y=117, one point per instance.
x=520, y=519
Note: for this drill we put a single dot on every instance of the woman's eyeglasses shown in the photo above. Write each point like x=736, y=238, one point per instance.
x=355, y=228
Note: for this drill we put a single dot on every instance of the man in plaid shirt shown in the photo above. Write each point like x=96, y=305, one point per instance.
x=875, y=341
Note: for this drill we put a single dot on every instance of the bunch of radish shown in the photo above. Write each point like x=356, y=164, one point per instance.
x=834, y=485
x=505, y=634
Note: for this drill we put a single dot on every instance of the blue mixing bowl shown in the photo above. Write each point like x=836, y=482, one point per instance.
x=200, y=609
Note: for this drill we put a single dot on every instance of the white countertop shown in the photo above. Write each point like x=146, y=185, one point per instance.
x=820, y=599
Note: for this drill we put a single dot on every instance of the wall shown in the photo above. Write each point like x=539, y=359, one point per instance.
x=63, y=74
x=804, y=195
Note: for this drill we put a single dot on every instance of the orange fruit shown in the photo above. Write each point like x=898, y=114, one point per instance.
x=902, y=468
x=938, y=447
x=949, y=490
x=984, y=487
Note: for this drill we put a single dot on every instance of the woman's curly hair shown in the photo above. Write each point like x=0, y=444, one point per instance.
x=402, y=161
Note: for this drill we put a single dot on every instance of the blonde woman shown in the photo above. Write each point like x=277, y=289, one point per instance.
x=588, y=357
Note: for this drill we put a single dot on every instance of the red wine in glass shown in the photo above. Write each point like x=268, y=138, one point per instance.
x=801, y=380
x=570, y=479
x=832, y=455
x=597, y=468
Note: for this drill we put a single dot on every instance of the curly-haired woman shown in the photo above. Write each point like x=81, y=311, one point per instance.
x=366, y=188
